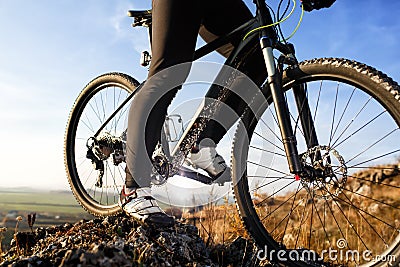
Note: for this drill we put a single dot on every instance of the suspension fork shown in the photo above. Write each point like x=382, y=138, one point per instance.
x=306, y=119
x=281, y=108
x=300, y=96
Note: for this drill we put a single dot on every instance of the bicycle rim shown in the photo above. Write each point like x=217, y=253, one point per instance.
x=353, y=210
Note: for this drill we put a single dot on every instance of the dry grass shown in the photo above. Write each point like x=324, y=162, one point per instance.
x=361, y=219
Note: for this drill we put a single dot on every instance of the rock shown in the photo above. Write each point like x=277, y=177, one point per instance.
x=121, y=241
x=373, y=208
x=376, y=176
x=392, y=170
x=364, y=190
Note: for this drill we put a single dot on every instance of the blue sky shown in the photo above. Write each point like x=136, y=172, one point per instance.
x=50, y=49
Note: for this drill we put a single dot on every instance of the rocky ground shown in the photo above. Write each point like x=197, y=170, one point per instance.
x=120, y=241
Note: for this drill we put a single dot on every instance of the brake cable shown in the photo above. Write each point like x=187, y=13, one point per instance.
x=279, y=22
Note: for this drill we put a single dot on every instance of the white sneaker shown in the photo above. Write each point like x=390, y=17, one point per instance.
x=208, y=159
x=142, y=206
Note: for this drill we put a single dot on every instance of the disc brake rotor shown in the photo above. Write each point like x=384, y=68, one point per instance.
x=326, y=176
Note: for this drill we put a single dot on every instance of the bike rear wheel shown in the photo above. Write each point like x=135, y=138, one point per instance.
x=95, y=104
x=355, y=204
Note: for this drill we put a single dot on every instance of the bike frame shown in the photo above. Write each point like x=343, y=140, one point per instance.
x=268, y=40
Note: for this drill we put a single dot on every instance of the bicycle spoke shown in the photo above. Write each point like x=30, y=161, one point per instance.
x=371, y=215
x=114, y=106
x=296, y=126
x=103, y=106
x=368, y=223
x=317, y=104
x=90, y=174
x=271, y=177
x=106, y=175
x=344, y=111
x=119, y=94
x=273, y=132
x=372, y=181
x=279, y=223
x=296, y=121
x=268, y=151
x=97, y=107
x=113, y=179
x=336, y=222
x=370, y=146
x=291, y=211
x=273, y=115
x=101, y=196
x=94, y=190
x=350, y=223
x=302, y=217
x=119, y=98
x=351, y=122
x=370, y=167
x=269, y=141
x=121, y=115
x=87, y=126
x=264, y=200
x=311, y=223
x=320, y=220
x=378, y=157
x=115, y=121
x=376, y=200
x=269, y=168
x=83, y=160
x=334, y=145
x=112, y=176
x=333, y=116
x=95, y=113
x=122, y=175
x=280, y=205
x=257, y=188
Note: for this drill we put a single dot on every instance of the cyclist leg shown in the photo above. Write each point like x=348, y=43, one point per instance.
x=204, y=154
x=175, y=28
x=255, y=69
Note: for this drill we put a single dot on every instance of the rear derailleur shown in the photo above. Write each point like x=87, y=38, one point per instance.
x=101, y=148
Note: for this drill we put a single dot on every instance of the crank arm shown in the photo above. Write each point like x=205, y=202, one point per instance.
x=194, y=175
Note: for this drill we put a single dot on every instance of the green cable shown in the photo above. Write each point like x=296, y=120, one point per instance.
x=273, y=24
x=298, y=24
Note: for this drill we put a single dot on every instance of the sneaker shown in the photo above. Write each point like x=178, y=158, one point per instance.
x=143, y=207
x=207, y=159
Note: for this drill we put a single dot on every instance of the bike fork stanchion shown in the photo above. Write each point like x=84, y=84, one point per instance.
x=305, y=116
x=281, y=108
x=306, y=119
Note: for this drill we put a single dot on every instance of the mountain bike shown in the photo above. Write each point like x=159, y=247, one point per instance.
x=315, y=156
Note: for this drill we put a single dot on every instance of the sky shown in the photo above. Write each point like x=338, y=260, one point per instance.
x=49, y=50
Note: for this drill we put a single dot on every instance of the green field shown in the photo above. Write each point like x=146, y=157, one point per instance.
x=52, y=202
x=52, y=208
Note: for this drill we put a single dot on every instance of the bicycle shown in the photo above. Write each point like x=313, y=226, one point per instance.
x=290, y=202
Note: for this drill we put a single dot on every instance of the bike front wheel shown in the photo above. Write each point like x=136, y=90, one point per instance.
x=353, y=204
x=96, y=173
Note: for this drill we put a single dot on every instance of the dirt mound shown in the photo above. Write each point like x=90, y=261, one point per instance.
x=120, y=241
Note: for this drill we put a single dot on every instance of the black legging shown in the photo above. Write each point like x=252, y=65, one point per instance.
x=175, y=27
